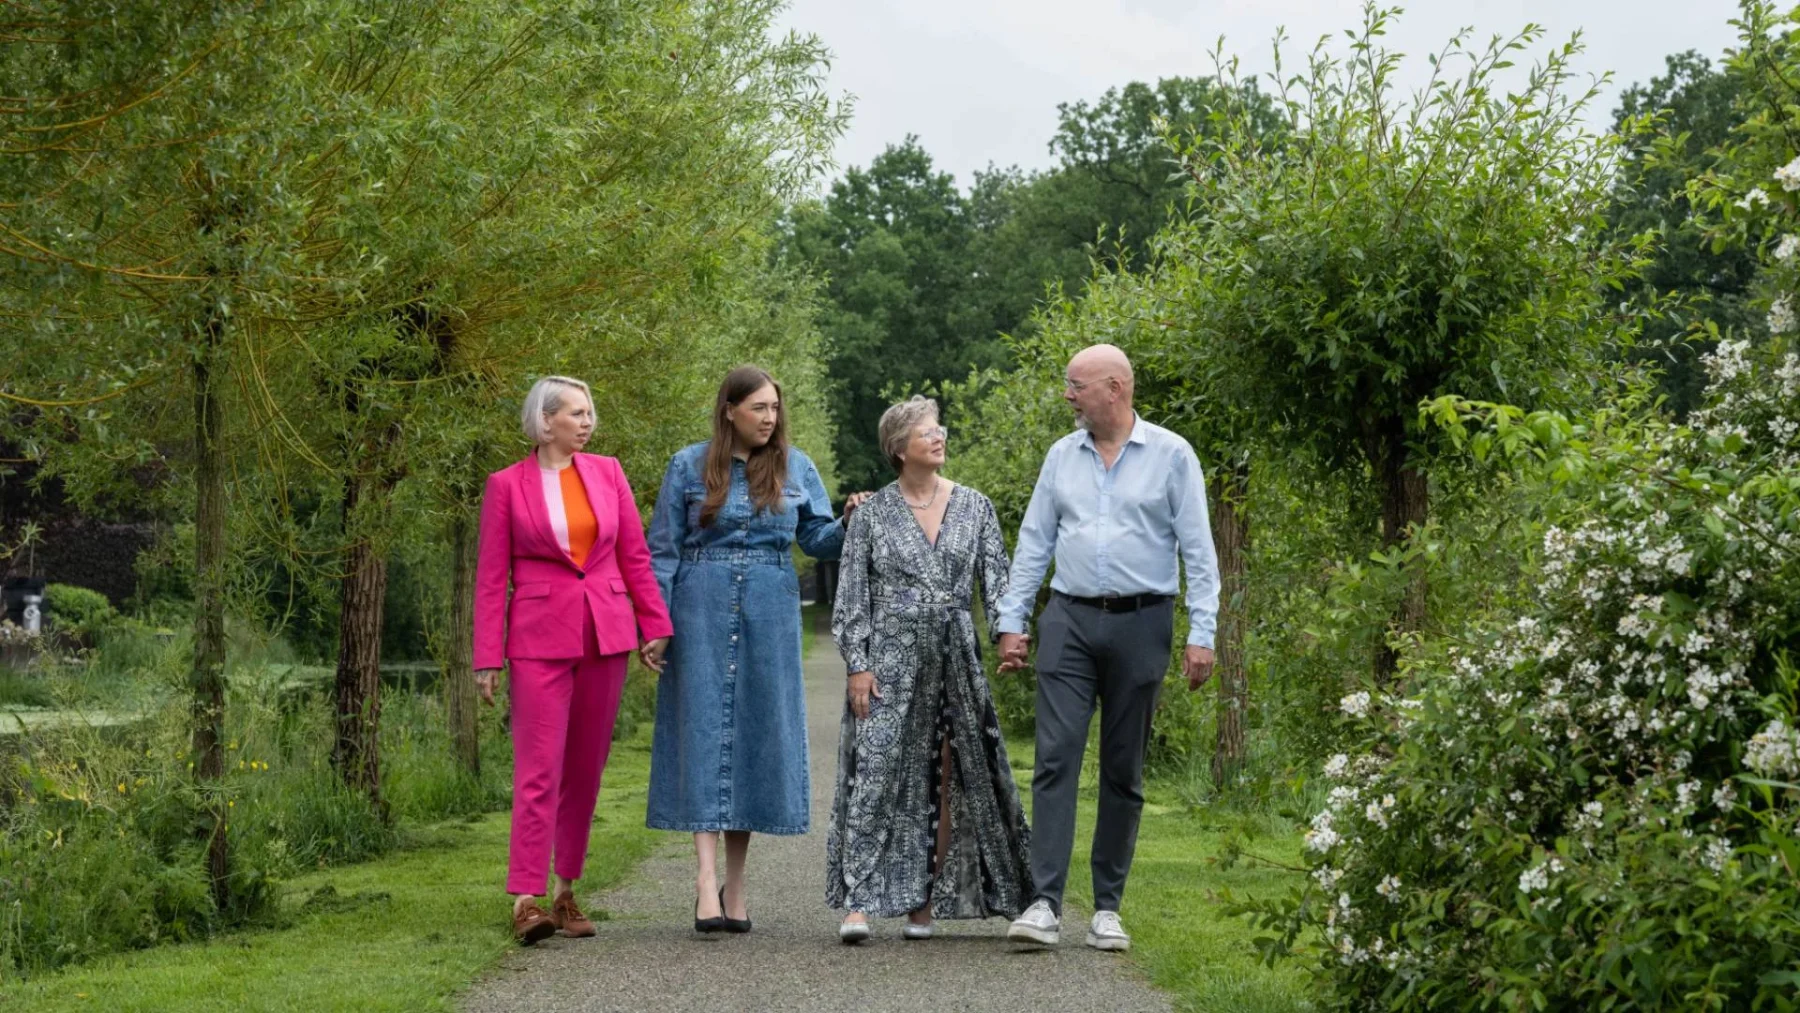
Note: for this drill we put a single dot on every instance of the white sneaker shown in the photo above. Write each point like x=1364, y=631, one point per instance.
x=1038, y=924
x=1105, y=932
x=916, y=931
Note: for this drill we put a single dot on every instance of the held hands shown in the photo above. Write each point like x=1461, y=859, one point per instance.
x=485, y=681
x=862, y=687
x=1014, y=651
x=651, y=654
x=1197, y=665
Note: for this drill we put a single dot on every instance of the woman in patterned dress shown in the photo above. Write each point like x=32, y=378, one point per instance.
x=927, y=820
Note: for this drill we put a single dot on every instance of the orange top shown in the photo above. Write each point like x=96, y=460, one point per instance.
x=583, y=529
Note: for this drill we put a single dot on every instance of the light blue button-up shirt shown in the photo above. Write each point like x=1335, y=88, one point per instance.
x=1118, y=531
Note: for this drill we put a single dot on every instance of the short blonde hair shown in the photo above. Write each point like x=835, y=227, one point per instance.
x=897, y=425
x=547, y=397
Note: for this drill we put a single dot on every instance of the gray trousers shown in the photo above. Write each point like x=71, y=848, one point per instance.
x=1116, y=659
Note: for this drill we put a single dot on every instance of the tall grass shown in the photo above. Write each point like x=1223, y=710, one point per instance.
x=101, y=826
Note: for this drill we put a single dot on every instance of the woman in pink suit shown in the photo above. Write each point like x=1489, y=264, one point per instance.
x=564, y=527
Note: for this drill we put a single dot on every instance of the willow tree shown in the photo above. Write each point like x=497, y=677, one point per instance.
x=1396, y=250
x=546, y=187
x=152, y=193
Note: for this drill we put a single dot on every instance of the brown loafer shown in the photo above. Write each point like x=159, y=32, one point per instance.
x=569, y=918
x=531, y=924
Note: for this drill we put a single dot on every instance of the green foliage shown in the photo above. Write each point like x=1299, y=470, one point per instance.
x=1591, y=804
x=79, y=612
x=901, y=312
x=1696, y=110
x=924, y=280
x=99, y=842
x=1391, y=252
x=1746, y=198
x=348, y=938
x=1115, y=185
x=1119, y=155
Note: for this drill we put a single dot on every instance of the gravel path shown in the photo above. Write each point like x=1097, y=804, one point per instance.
x=648, y=956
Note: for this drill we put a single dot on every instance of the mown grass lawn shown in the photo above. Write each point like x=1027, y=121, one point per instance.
x=405, y=932
x=1180, y=934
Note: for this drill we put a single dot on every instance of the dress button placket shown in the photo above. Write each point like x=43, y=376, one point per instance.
x=728, y=725
x=727, y=737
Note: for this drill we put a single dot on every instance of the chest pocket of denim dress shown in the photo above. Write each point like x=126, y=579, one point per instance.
x=693, y=496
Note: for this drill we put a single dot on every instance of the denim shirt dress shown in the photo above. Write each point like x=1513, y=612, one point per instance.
x=730, y=746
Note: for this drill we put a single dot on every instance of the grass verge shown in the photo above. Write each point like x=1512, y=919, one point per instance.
x=405, y=932
x=1174, y=909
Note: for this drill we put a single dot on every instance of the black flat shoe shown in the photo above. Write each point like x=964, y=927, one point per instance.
x=728, y=923
x=707, y=924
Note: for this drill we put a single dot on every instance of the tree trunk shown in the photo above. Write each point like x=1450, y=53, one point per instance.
x=357, y=755
x=1403, y=509
x=208, y=674
x=460, y=699
x=1231, y=537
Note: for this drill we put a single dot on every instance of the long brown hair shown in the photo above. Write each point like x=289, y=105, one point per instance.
x=767, y=467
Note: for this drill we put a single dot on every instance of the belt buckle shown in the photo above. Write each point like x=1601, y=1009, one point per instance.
x=1107, y=601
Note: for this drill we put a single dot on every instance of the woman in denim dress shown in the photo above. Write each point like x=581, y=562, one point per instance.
x=730, y=750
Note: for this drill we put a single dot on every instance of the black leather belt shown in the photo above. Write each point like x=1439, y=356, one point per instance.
x=1118, y=603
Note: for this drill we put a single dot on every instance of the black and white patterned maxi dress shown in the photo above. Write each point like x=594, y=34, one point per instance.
x=903, y=611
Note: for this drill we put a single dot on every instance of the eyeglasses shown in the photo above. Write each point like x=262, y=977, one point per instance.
x=1080, y=385
x=934, y=433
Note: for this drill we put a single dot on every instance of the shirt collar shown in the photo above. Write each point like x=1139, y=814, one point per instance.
x=1137, y=433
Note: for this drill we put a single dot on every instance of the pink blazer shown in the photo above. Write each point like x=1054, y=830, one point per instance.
x=549, y=591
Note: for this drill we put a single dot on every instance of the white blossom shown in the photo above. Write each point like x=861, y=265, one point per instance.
x=1322, y=837
x=1753, y=198
x=1377, y=811
x=1389, y=887
x=1685, y=794
x=1781, y=316
x=1538, y=876
x=1718, y=852
x=1356, y=704
x=1789, y=245
x=1789, y=176
x=1533, y=879
x=1724, y=797
x=1775, y=750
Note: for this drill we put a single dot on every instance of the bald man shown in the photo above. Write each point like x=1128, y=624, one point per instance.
x=1117, y=504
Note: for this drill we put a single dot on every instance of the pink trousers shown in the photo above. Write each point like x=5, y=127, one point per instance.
x=562, y=724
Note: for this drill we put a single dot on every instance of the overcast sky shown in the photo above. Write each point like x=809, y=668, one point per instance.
x=979, y=80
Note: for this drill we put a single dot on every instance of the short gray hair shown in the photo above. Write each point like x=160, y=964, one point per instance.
x=897, y=425
x=547, y=397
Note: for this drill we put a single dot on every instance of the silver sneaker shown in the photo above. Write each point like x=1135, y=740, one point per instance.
x=1038, y=925
x=1106, y=933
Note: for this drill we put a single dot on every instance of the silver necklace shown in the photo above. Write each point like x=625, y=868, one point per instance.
x=935, y=486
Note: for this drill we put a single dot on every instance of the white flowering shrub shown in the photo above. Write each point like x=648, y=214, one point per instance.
x=1591, y=805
